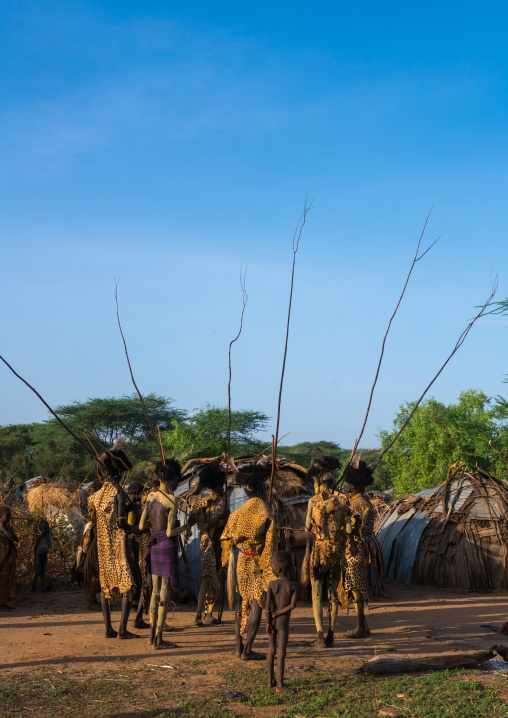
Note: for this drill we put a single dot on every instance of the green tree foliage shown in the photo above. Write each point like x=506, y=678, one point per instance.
x=205, y=433
x=304, y=452
x=46, y=449
x=112, y=417
x=439, y=435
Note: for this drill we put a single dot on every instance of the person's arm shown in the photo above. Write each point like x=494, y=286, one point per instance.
x=291, y=605
x=268, y=610
x=121, y=520
x=36, y=545
x=308, y=518
x=172, y=529
x=144, y=523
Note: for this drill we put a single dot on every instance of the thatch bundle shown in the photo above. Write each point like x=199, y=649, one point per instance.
x=52, y=498
x=455, y=536
x=64, y=538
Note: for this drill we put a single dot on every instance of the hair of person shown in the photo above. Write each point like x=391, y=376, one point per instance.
x=116, y=462
x=5, y=511
x=43, y=523
x=253, y=477
x=170, y=472
x=135, y=488
x=359, y=476
x=282, y=559
x=323, y=465
x=211, y=476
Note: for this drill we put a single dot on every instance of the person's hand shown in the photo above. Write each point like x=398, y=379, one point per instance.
x=269, y=629
x=192, y=520
x=309, y=535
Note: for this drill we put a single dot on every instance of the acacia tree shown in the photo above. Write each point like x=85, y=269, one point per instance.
x=206, y=432
x=439, y=435
x=28, y=450
x=112, y=417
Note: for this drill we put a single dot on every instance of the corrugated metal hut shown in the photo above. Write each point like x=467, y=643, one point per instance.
x=452, y=536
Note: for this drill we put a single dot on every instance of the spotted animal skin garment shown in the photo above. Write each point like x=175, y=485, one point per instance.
x=114, y=571
x=252, y=529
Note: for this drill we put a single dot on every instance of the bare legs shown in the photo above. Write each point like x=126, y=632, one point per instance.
x=279, y=637
x=122, y=631
x=362, y=629
x=245, y=650
x=159, y=610
x=317, y=609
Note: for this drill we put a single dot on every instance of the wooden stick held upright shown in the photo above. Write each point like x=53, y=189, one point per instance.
x=159, y=446
x=162, y=448
x=244, y=304
x=416, y=258
x=457, y=346
x=296, y=243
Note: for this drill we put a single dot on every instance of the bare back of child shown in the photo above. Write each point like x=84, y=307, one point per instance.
x=280, y=601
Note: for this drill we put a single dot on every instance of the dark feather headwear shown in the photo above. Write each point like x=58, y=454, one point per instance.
x=211, y=476
x=323, y=465
x=359, y=475
x=254, y=477
x=170, y=472
x=116, y=462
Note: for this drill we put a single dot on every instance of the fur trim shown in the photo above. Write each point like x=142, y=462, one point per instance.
x=231, y=577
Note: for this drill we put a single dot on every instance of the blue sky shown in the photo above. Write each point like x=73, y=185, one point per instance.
x=164, y=144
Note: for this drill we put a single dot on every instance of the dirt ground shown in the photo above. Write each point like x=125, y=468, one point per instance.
x=55, y=629
x=51, y=645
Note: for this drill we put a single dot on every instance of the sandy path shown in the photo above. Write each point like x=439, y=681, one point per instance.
x=55, y=631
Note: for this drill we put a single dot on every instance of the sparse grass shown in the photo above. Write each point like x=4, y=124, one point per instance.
x=159, y=693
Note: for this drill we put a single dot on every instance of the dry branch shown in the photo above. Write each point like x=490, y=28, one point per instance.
x=244, y=304
x=416, y=258
x=296, y=243
x=159, y=446
x=457, y=346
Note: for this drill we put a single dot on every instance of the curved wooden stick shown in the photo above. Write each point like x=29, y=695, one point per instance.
x=159, y=446
x=244, y=300
x=296, y=243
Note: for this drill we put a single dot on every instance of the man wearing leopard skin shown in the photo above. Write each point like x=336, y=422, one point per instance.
x=210, y=514
x=107, y=509
x=325, y=526
x=253, y=531
x=360, y=527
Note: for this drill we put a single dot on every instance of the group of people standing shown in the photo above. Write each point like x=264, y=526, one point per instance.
x=132, y=545
x=245, y=544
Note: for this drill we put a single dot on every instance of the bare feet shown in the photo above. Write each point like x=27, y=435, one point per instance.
x=283, y=689
x=111, y=633
x=160, y=644
x=127, y=634
x=357, y=633
x=272, y=683
x=140, y=624
x=252, y=656
x=329, y=639
x=320, y=641
x=152, y=635
x=210, y=620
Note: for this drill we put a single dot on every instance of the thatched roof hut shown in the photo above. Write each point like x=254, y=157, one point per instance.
x=453, y=536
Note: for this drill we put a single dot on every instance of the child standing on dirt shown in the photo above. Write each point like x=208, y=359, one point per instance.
x=41, y=550
x=280, y=601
